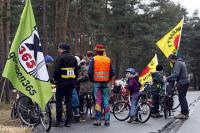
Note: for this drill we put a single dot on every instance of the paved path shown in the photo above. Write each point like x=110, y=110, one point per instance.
x=154, y=125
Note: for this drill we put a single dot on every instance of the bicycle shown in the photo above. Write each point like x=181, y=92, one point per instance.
x=167, y=97
x=87, y=105
x=118, y=93
x=167, y=101
x=113, y=99
x=31, y=115
x=52, y=104
x=13, y=113
x=174, y=93
x=121, y=109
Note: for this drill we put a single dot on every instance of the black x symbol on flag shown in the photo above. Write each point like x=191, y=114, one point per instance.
x=35, y=46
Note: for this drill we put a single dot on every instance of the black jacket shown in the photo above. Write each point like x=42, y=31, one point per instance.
x=65, y=60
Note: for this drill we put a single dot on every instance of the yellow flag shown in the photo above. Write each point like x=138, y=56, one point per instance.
x=170, y=42
x=145, y=76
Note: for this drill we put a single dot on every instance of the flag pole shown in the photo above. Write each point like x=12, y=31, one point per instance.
x=180, y=37
x=3, y=89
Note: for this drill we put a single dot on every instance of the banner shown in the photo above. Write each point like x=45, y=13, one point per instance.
x=25, y=66
x=145, y=76
x=170, y=42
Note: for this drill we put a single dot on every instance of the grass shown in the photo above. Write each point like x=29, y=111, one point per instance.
x=7, y=125
x=5, y=119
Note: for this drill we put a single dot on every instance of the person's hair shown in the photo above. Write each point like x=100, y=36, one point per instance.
x=159, y=68
x=172, y=57
x=90, y=54
x=99, y=52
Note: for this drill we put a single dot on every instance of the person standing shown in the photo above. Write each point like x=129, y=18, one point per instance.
x=100, y=73
x=65, y=74
x=157, y=86
x=88, y=57
x=180, y=73
x=49, y=61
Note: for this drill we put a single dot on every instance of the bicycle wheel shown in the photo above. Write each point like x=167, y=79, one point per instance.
x=113, y=99
x=85, y=106
x=13, y=113
x=175, y=102
x=143, y=112
x=52, y=105
x=45, y=118
x=165, y=110
x=121, y=110
x=27, y=112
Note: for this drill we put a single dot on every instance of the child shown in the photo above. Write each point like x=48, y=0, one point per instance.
x=133, y=86
x=158, y=85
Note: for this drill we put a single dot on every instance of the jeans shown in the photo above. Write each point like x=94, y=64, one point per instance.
x=101, y=94
x=133, y=106
x=182, y=91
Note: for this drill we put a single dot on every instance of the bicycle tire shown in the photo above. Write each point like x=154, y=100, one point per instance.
x=85, y=107
x=141, y=110
x=175, y=99
x=113, y=99
x=24, y=111
x=123, y=108
x=52, y=106
x=165, y=110
x=48, y=112
x=13, y=113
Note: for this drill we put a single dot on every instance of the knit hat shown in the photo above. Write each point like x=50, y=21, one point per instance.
x=90, y=54
x=64, y=46
x=99, y=47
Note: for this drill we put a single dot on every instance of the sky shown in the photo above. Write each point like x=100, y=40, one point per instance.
x=190, y=5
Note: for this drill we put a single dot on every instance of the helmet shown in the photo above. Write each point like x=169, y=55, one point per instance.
x=131, y=70
x=82, y=62
x=48, y=59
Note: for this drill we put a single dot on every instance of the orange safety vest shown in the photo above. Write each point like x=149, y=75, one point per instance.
x=101, y=68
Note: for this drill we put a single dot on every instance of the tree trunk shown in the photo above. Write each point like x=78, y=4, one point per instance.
x=7, y=47
x=66, y=16
x=44, y=43
x=1, y=36
x=56, y=24
x=76, y=29
x=118, y=63
x=1, y=43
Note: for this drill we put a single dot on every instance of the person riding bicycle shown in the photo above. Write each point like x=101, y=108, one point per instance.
x=133, y=85
x=158, y=85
